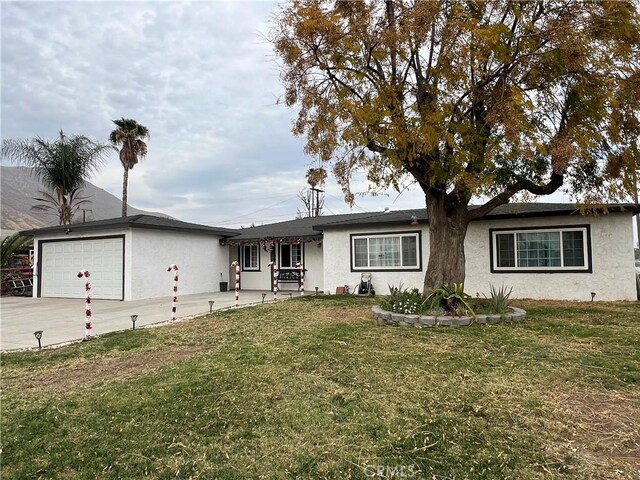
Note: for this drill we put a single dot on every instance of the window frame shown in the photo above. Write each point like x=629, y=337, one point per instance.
x=586, y=245
x=417, y=234
x=246, y=268
x=280, y=255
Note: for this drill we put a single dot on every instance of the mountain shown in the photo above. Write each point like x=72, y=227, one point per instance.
x=16, y=199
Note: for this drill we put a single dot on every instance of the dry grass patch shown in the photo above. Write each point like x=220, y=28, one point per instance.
x=311, y=388
x=604, y=428
x=90, y=372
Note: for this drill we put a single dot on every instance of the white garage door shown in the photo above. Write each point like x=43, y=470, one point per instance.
x=62, y=260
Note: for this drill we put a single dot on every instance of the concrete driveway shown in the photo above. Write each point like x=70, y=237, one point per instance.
x=62, y=319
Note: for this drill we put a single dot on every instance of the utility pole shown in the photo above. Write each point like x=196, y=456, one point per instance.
x=84, y=213
x=315, y=212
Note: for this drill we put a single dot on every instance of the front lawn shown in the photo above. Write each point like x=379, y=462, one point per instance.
x=312, y=388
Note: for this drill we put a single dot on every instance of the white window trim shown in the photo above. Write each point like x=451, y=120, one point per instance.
x=291, y=260
x=369, y=236
x=246, y=267
x=516, y=269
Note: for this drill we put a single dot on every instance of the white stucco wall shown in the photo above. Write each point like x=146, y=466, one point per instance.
x=200, y=259
x=314, y=266
x=262, y=279
x=612, y=277
x=80, y=236
x=337, y=261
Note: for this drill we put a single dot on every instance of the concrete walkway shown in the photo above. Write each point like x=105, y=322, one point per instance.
x=62, y=319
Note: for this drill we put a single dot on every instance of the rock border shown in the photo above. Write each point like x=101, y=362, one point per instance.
x=383, y=317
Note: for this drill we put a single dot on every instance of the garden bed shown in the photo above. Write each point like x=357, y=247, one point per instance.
x=383, y=317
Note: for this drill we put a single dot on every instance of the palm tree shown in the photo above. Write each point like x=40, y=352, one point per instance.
x=130, y=137
x=64, y=207
x=63, y=165
x=316, y=177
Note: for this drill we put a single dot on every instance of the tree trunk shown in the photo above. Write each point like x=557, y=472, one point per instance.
x=125, y=182
x=447, y=230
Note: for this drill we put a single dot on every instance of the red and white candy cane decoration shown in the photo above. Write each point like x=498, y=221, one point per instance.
x=87, y=305
x=301, y=267
x=275, y=279
x=174, y=300
x=237, y=265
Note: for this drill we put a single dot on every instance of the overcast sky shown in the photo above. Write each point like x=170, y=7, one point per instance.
x=201, y=76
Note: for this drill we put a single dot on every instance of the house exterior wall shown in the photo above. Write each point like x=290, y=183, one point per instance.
x=263, y=280
x=254, y=279
x=337, y=260
x=80, y=236
x=612, y=276
x=314, y=266
x=200, y=259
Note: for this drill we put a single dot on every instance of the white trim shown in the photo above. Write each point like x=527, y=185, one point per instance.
x=255, y=267
x=561, y=267
x=399, y=235
x=292, y=261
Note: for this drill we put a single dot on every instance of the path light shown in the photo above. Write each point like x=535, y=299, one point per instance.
x=211, y=302
x=593, y=294
x=38, y=335
x=263, y=295
x=290, y=295
x=316, y=290
x=133, y=320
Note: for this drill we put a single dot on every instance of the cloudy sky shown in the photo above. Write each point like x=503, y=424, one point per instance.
x=201, y=76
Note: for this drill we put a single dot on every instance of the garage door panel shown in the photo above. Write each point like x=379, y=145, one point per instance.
x=61, y=262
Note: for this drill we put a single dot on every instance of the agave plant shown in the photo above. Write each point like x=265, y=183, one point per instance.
x=499, y=300
x=451, y=297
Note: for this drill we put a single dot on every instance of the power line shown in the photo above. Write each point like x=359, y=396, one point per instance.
x=254, y=212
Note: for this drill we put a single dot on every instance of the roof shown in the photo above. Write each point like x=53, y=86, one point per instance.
x=302, y=228
x=509, y=210
x=134, y=221
x=311, y=227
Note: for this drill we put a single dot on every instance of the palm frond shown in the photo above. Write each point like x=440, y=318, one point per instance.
x=129, y=137
x=64, y=206
x=10, y=245
x=63, y=164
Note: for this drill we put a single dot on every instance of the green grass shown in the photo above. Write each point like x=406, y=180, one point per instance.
x=312, y=388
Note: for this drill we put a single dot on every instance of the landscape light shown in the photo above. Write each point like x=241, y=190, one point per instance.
x=263, y=295
x=290, y=294
x=38, y=335
x=593, y=294
x=211, y=302
x=316, y=290
x=133, y=320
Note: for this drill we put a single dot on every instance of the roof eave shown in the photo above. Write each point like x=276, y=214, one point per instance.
x=123, y=225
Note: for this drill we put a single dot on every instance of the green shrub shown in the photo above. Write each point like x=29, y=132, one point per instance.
x=403, y=300
x=451, y=298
